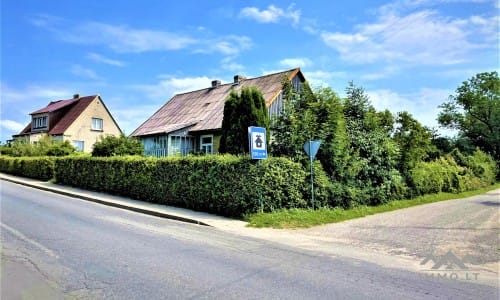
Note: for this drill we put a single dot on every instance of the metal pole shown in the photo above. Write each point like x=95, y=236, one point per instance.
x=312, y=179
x=260, y=195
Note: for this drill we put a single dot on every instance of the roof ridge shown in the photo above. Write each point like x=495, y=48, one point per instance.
x=231, y=83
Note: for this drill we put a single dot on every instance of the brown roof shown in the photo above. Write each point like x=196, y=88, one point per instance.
x=55, y=105
x=72, y=110
x=202, y=110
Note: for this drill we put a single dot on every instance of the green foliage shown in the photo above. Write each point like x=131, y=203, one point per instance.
x=46, y=146
x=225, y=185
x=241, y=110
x=453, y=173
x=304, y=218
x=414, y=141
x=32, y=167
x=475, y=111
x=111, y=145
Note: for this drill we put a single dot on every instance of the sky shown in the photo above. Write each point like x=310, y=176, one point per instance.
x=408, y=55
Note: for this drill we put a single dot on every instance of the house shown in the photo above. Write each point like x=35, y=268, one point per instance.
x=80, y=120
x=192, y=121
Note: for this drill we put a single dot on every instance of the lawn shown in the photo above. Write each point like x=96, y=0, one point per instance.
x=303, y=218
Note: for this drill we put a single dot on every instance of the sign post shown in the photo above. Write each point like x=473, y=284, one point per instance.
x=258, y=149
x=311, y=148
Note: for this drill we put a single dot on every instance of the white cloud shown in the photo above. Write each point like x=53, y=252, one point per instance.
x=125, y=39
x=229, y=64
x=423, y=37
x=12, y=125
x=272, y=14
x=296, y=62
x=84, y=72
x=32, y=94
x=230, y=45
x=101, y=59
x=321, y=78
x=171, y=85
x=423, y=105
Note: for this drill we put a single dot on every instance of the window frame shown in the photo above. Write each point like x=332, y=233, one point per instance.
x=97, y=121
x=207, y=146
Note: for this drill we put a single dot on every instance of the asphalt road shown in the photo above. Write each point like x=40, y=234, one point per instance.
x=59, y=247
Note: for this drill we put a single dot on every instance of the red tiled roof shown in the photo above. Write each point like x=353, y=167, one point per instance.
x=55, y=105
x=75, y=108
x=203, y=109
x=73, y=113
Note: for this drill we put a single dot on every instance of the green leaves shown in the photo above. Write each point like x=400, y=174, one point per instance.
x=111, y=145
x=241, y=110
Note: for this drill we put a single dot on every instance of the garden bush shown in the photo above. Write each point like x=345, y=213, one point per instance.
x=226, y=185
x=32, y=167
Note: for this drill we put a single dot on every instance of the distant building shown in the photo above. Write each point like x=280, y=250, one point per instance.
x=80, y=120
x=192, y=121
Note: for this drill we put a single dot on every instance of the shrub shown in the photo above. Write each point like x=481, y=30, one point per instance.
x=226, y=185
x=32, y=167
x=111, y=145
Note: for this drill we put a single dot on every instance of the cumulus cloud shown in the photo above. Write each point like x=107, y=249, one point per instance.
x=272, y=14
x=422, y=37
x=423, y=104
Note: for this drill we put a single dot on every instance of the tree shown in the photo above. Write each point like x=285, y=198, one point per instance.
x=241, y=110
x=414, y=142
x=475, y=111
x=111, y=145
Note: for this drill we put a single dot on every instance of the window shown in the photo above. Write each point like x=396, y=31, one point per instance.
x=40, y=122
x=207, y=144
x=96, y=124
x=78, y=145
x=182, y=145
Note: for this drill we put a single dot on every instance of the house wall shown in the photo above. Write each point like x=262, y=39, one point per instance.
x=81, y=129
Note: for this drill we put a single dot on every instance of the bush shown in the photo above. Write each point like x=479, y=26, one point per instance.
x=46, y=146
x=111, y=145
x=454, y=173
x=226, y=185
x=32, y=167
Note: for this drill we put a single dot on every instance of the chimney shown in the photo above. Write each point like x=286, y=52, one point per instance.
x=215, y=84
x=76, y=96
x=238, y=79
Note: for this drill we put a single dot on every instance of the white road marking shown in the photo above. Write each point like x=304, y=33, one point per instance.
x=21, y=236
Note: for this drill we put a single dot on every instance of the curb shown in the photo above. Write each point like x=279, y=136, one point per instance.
x=108, y=203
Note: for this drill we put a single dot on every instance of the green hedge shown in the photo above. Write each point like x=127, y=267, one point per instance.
x=454, y=173
x=32, y=167
x=225, y=185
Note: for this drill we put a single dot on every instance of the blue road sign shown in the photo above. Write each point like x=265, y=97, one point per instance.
x=311, y=148
x=257, y=141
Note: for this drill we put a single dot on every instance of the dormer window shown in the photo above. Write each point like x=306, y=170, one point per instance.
x=40, y=122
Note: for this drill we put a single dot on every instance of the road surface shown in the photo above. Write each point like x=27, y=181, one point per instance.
x=59, y=247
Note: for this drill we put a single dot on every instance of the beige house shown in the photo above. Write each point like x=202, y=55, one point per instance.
x=80, y=120
x=191, y=122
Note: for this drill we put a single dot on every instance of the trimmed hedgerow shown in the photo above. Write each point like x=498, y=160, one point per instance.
x=226, y=185
x=32, y=167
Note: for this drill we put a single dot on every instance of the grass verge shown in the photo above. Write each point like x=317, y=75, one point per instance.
x=304, y=218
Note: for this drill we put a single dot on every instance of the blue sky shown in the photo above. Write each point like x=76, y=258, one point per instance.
x=409, y=55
